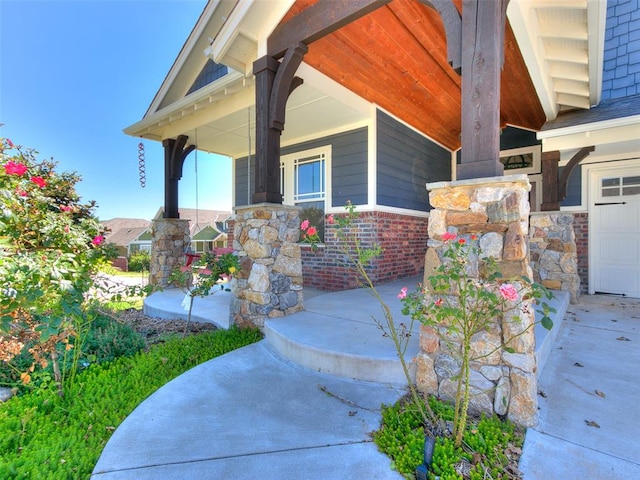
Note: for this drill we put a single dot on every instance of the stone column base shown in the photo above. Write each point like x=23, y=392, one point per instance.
x=170, y=239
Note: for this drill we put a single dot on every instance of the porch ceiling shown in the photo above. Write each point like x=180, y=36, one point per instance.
x=396, y=57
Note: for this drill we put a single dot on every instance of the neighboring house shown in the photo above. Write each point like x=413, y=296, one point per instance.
x=128, y=235
x=375, y=113
x=207, y=228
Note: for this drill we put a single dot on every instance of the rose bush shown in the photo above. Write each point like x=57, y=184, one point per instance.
x=50, y=246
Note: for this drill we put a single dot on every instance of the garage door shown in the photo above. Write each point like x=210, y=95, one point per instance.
x=615, y=232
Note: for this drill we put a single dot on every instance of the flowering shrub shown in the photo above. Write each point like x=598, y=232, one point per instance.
x=464, y=297
x=205, y=276
x=50, y=245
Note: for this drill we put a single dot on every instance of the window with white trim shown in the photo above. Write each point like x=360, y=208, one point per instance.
x=303, y=182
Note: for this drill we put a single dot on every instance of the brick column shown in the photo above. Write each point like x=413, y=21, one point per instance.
x=496, y=212
x=170, y=236
x=269, y=283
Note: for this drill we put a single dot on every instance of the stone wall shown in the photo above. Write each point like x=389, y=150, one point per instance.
x=553, y=252
x=170, y=237
x=403, y=239
x=269, y=283
x=491, y=214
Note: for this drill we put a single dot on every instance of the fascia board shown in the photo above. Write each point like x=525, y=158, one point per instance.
x=589, y=127
x=523, y=21
x=190, y=101
x=229, y=31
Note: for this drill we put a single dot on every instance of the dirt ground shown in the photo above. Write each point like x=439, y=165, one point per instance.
x=155, y=330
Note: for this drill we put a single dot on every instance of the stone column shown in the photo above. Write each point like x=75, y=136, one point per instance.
x=269, y=283
x=170, y=237
x=494, y=214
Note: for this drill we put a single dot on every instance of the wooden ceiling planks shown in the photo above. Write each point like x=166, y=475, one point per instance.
x=396, y=58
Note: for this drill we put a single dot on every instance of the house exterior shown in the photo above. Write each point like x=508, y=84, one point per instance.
x=374, y=112
x=207, y=231
x=207, y=228
x=128, y=235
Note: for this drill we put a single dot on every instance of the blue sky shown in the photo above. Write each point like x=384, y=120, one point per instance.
x=73, y=74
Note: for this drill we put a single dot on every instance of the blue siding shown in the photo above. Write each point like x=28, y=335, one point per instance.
x=407, y=161
x=621, y=69
x=574, y=188
x=348, y=167
x=209, y=74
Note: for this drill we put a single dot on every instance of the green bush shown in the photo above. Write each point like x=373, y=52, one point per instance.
x=139, y=261
x=108, y=340
x=44, y=436
x=488, y=443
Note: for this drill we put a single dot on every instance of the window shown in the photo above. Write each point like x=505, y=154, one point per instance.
x=620, y=186
x=521, y=160
x=303, y=182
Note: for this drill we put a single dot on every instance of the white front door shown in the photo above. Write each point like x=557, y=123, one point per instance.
x=615, y=230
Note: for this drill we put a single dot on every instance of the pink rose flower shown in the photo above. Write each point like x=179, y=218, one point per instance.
x=448, y=236
x=312, y=231
x=304, y=225
x=41, y=182
x=403, y=293
x=20, y=192
x=13, y=168
x=66, y=208
x=97, y=240
x=438, y=302
x=509, y=292
x=331, y=219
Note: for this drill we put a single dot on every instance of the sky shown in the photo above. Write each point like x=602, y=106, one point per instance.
x=74, y=74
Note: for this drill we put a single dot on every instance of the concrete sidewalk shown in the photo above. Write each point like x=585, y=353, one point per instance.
x=588, y=396
x=265, y=410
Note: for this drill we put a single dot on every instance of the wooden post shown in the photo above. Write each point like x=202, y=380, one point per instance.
x=550, y=201
x=483, y=24
x=175, y=154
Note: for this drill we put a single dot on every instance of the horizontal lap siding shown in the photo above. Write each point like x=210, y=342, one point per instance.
x=348, y=164
x=407, y=161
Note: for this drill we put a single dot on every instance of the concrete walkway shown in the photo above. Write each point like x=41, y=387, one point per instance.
x=589, y=391
x=301, y=403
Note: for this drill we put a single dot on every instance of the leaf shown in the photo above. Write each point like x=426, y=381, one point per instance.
x=509, y=349
x=542, y=394
x=600, y=394
x=623, y=339
x=592, y=423
x=547, y=323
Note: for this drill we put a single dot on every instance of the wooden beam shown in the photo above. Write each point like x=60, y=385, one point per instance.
x=175, y=154
x=483, y=36
x=568, y=168
x=550, y=200
x=453, y=26
x=315, y=22
x=283, y=84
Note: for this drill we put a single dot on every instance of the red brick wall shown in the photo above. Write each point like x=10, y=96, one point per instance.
x=121, y=262
x=403, y=239
x=581, y=230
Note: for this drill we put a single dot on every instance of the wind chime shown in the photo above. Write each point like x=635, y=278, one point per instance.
x=142, y=169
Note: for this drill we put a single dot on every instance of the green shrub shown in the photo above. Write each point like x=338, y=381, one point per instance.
x=43, y=436
x=139, y=261
x=486, y=443
x=108, y=339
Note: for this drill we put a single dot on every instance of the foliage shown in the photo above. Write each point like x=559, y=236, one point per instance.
x=489, y=450
x=104, y=340
x=43, y=436
x=205, y=276
x=462, y=303
x=50, y=246
x=140, y=261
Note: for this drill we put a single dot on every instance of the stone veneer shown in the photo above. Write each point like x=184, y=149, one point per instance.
x=553, y=253
x=269, y=283
x=170, y=237
x=496, y=212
